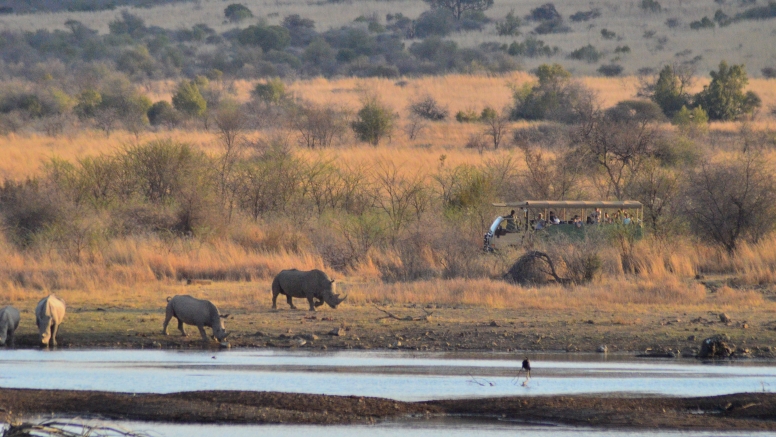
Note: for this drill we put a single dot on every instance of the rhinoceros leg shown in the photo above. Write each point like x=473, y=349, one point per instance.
x=10, y=339
x=312, y=303
x=54, y=329
x=181, y=329
x=319, y=302
x=290, y=301
x=203, y=333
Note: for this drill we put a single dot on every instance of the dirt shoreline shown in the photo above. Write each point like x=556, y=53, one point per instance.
x=754, y=411
x=652, y=332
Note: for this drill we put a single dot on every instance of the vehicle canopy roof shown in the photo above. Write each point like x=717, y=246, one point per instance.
x=560, y=204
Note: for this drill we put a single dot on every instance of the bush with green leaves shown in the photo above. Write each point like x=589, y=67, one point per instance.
x=162, y=113
x=703, y=23
x=651, y=6
x=467, y=116
x=669, y=90
x=610, y=70
x=532, y=48
x=759, y=12
x=724, y=98
x=237, y=12
x=588, y=53
x=436, y=22
x=691, y=121
x=374, y=121
x=271, y=92
x=266, y=37
x=188, y=99
x=555, y=97
x=510, y=26
x=585, y=15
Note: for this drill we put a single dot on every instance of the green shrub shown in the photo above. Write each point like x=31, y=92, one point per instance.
x=587, y=53
x=724, y=97
x=703, y=23
x=651, y=6
x=271, y=92
x=436, y=22
x=373, y=122
x=188, y=99
x=266, y=37
x=162, y=113
x=237, y=12
x=531, y=48
x=467, y=116
x=610, y=70
x=510, y=26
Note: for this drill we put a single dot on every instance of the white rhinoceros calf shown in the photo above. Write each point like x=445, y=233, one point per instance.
x=49, y=314
x=197, y=312
x=9, y=321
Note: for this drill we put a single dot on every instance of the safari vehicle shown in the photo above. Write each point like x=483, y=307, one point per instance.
x=573, y=217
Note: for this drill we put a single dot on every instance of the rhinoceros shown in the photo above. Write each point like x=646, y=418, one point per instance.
x=9, y=321
x=49, y=314
x=197, y=312
x=313, y=284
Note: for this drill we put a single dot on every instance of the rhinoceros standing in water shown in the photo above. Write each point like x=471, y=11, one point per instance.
x=49, y=314
x=313, y=284
x=9, y=321
x=197, y=312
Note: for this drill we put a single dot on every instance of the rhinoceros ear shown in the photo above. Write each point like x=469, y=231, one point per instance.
x=332, y=281
x=223, y=316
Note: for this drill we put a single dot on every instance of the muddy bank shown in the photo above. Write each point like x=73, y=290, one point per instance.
x=739, y=411
x=665, y=332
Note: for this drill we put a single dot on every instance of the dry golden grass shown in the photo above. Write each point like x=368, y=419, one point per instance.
x=132, y=272
x=21, y=155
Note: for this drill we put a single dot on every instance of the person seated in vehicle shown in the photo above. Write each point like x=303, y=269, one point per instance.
x=577, y=221
x=590, y=220
x=596, y=215
x=554, y=220
x=626, y=219
x=607, y=219
x=511, y=225
x=540, y=223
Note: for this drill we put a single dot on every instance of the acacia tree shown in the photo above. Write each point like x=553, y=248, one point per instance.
x=617, y=147
x=732, y=201
x=458, y=7
x=496, y=125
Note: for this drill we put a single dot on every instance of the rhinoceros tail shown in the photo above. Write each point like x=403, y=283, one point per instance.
x=169, y=298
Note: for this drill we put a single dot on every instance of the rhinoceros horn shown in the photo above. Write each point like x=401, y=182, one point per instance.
x=340, y=300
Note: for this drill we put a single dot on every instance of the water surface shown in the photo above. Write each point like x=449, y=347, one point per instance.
x=401, y=376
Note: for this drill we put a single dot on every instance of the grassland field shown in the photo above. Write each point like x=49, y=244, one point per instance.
x=745, y=42
x=116, y=298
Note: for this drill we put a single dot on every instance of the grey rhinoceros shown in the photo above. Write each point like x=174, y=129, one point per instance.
x=9, y=321
x=312, y=284
x=197, y=312
x=49, y=314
